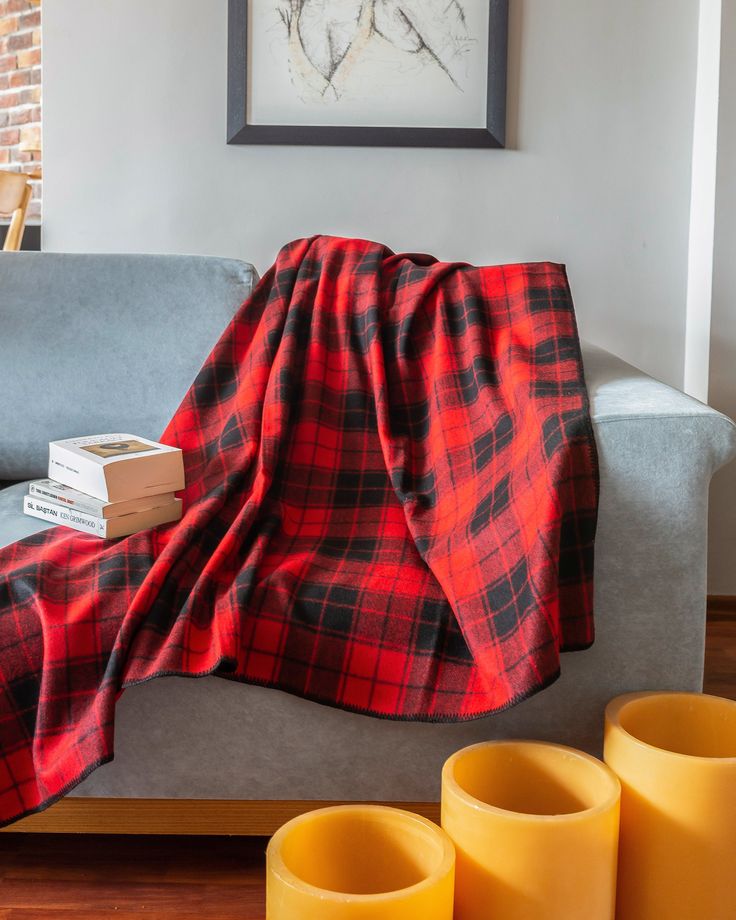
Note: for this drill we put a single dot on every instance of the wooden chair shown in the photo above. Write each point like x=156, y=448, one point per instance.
x=15, y=195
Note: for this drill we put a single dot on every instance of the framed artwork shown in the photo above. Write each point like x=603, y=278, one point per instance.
x=404, y=73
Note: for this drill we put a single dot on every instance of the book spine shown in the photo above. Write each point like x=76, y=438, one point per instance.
x=58, y=514
x=88, y=506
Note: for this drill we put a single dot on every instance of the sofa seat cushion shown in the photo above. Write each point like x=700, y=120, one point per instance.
x=14, y=525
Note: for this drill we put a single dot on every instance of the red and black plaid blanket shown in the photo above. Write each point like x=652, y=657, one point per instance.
x=391, y=506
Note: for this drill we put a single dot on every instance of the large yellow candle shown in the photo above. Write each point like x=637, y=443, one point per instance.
x=675, y=754
x=360, y=862
x=535, y=828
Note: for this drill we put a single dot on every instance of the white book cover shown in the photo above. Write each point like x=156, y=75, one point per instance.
x=52, y=491
x=108, y=528
x=116, y=467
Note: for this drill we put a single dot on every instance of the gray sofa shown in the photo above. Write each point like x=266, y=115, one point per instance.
x=96, y=343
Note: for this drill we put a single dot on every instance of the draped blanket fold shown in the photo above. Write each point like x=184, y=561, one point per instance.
x=390, y=507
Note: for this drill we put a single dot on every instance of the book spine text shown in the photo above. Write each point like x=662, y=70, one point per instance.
x=92, y=506
x=58, y=514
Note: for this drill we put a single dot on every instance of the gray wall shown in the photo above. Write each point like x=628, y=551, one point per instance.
x=722, y=555
x=601, y=117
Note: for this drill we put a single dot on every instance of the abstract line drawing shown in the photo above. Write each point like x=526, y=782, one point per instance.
x=328, y=37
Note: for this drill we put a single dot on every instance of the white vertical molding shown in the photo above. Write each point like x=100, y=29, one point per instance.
x=703, y=202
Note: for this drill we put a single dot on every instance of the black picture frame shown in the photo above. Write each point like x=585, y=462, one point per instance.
x=240, y=132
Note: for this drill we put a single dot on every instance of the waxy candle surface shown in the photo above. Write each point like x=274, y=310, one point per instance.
x=535, y=828
x=360, y=862
x=675, y=754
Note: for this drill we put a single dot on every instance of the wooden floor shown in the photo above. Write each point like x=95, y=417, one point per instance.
x=60, y=877
x=720, y=653
x=65, y=877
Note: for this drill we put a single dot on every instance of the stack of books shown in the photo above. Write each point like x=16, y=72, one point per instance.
x=110, y=485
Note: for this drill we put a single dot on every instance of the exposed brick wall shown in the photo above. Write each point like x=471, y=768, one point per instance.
x=20, y=90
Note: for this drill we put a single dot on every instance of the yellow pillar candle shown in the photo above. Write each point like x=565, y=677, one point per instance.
x=359, y=862
x=675, y=754
x=535, y=828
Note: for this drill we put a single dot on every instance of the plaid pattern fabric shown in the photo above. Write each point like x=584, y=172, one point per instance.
x=391, y=505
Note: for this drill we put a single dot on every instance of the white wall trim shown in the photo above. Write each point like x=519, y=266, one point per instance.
x=703, y=202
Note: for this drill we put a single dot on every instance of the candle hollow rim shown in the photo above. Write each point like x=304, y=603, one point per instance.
x=444, y=864
x=616, y=713
x=607, y=777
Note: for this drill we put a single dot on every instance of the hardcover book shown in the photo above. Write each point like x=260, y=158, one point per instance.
x=109, y=528
x=57, y=492
x=116, y=467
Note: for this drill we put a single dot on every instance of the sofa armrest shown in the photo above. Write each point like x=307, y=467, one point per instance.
x=620, y=392
x=657, y=450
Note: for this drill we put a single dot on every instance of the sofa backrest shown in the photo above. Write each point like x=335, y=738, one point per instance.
x=97, y=343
